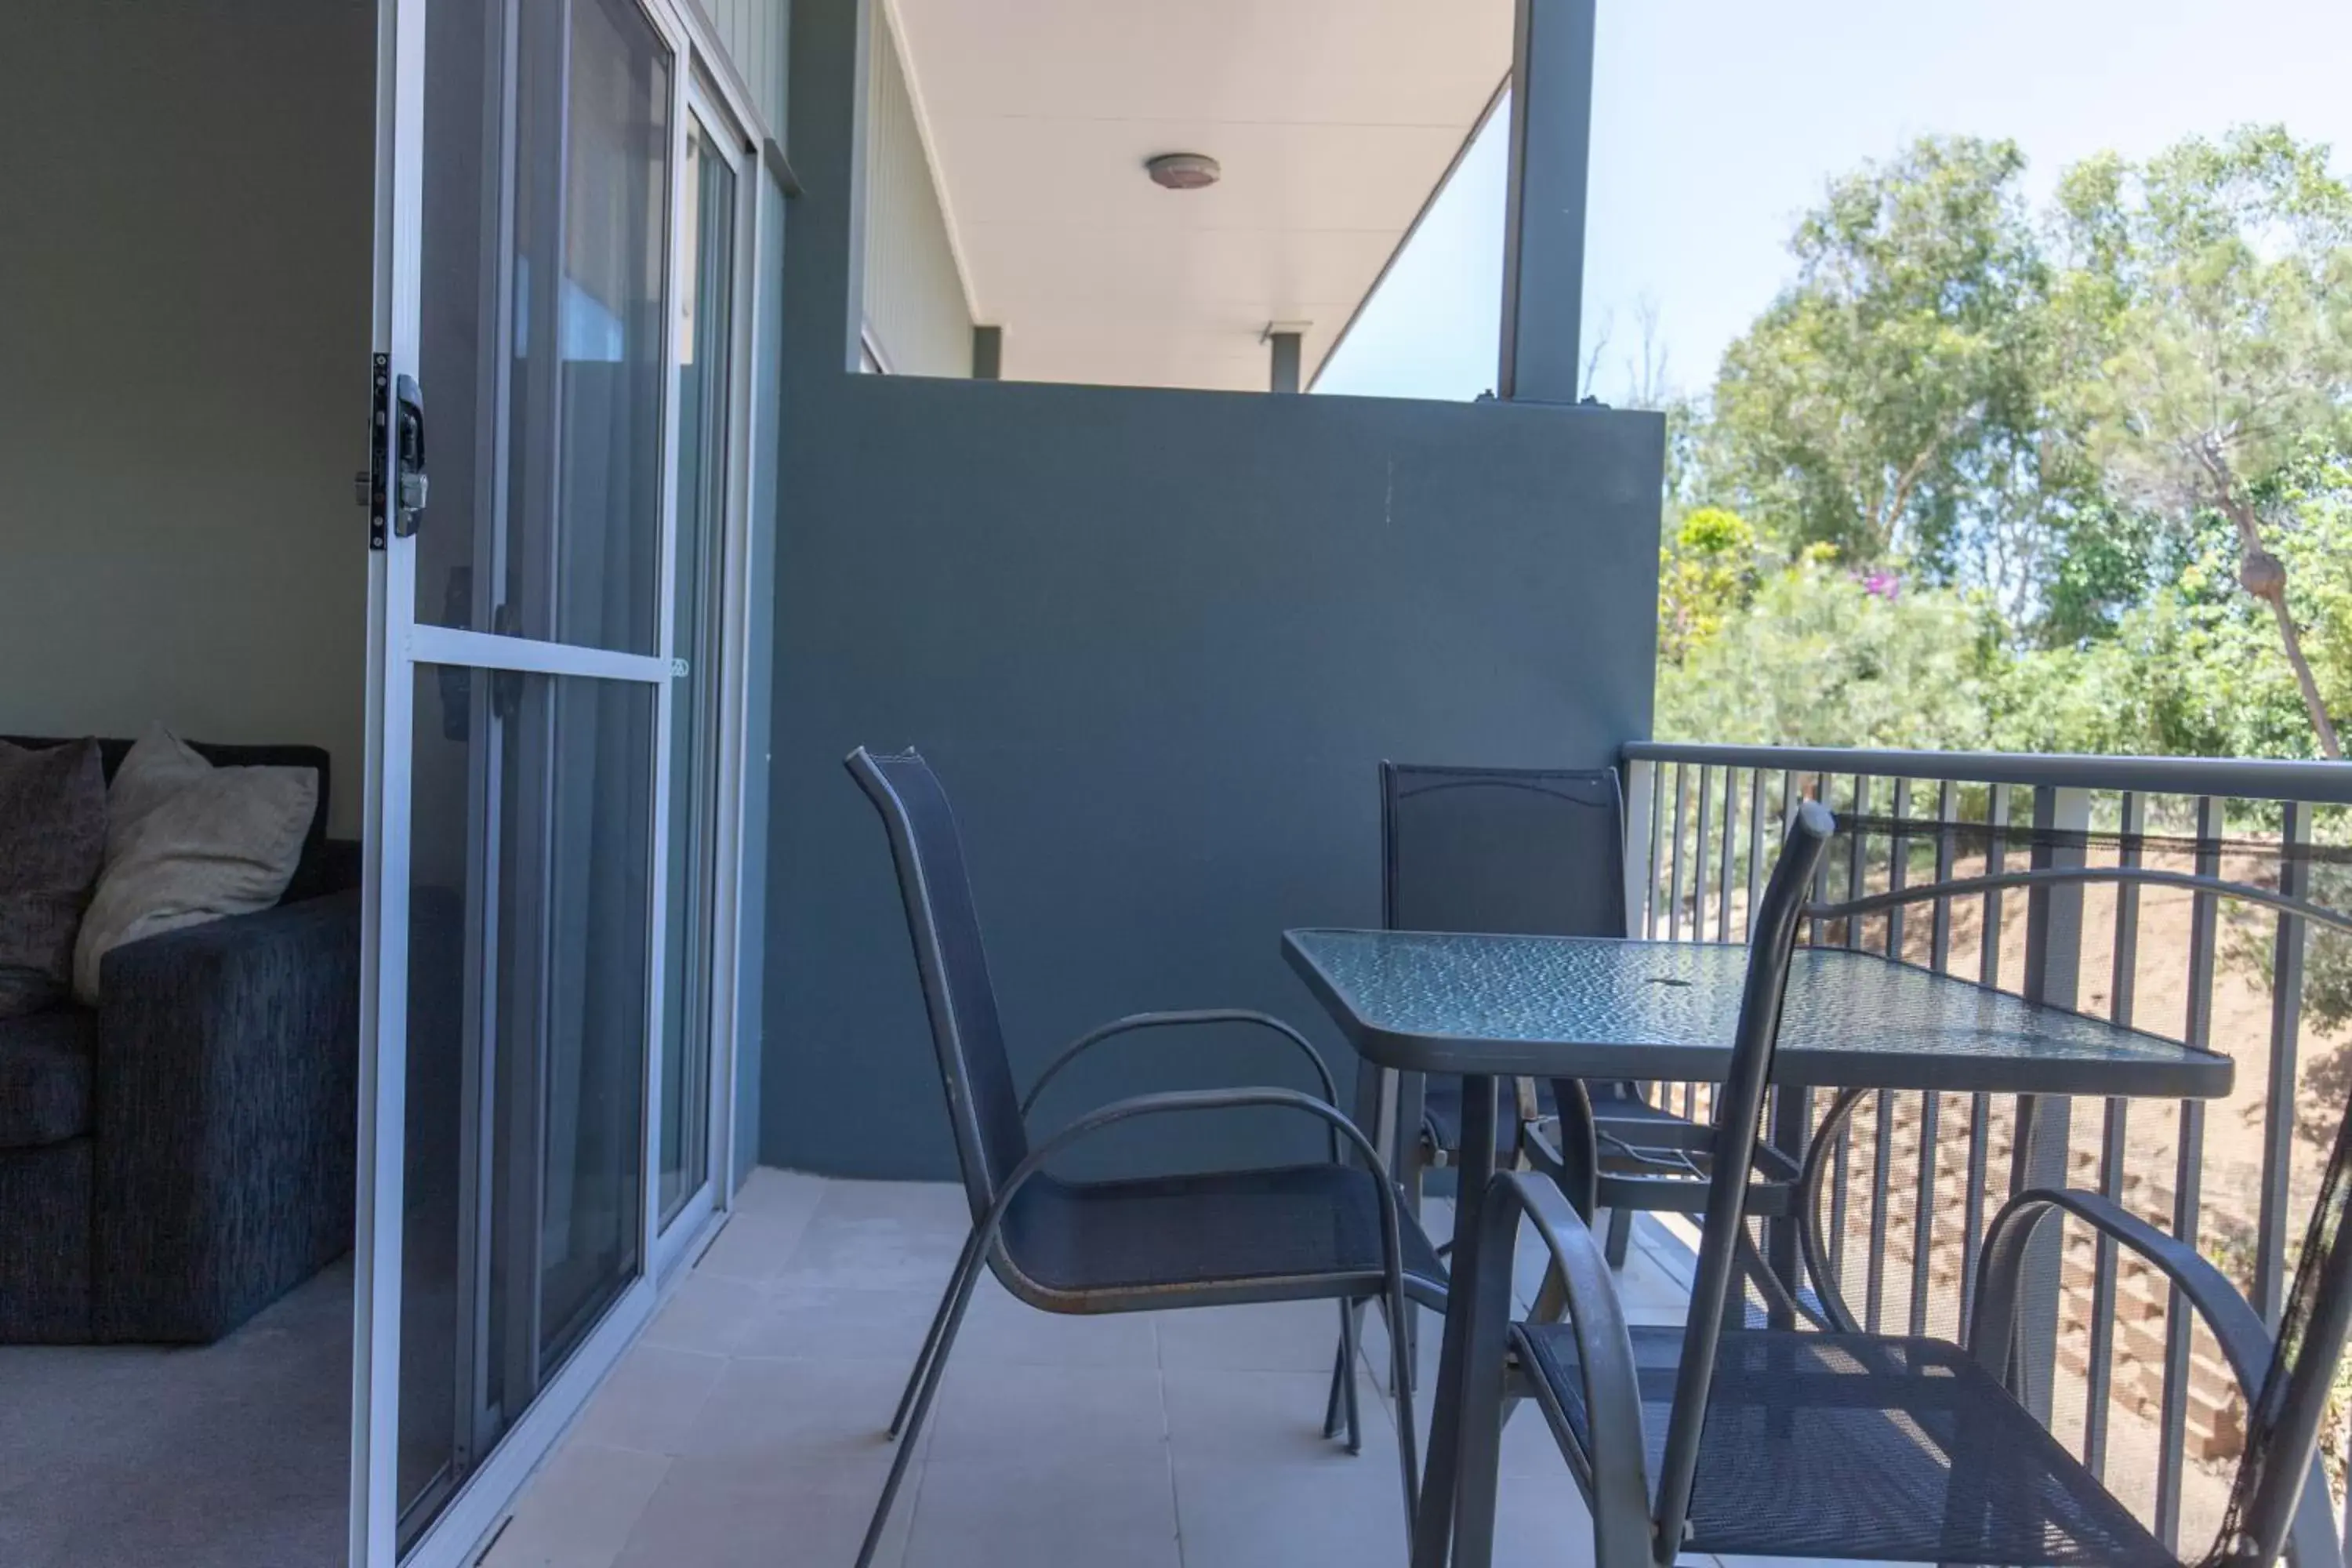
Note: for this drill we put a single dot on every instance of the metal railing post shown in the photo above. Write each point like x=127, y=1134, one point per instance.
x=2271, y=1262
x=2053, y=963
x=1640, y=872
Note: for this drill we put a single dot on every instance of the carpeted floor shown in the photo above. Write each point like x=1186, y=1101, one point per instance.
x=228, y=1456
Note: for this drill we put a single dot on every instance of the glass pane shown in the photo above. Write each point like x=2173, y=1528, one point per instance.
x=547, y=373
x=445, y=927
x=463, y=295
x=579, y=852
x=706, y=317
x=528, y=946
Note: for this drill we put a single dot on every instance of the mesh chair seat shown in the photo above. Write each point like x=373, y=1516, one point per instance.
x=1848, y=1445
x=1209, y=1231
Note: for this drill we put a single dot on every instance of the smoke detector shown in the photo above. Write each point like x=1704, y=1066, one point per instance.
x=1182, y=171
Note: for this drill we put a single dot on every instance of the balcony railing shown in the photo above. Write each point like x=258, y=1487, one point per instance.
x=2119, y=1368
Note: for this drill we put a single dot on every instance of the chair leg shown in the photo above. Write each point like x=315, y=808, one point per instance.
x=926, y=1384
x=932, y=1339
x=1620, y=1238
x=1398, y=1313
x=1332, y=1400
x=1349, y=1316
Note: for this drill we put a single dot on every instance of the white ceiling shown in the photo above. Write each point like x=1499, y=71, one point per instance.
x=1334, y=120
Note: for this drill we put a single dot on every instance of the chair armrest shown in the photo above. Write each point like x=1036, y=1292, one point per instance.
x=2246, y=1342
x=1618, y=1470
x=226, y=1117
x=1137, y=1021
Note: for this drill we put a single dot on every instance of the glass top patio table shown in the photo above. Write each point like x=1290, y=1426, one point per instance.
x=1605, y=1008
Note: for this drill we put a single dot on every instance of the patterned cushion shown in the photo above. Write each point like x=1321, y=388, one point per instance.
x=52, y=842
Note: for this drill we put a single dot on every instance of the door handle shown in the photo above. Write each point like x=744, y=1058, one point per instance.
x=409, y=478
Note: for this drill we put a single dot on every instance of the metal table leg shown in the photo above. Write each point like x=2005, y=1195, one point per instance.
x=1433, y=1528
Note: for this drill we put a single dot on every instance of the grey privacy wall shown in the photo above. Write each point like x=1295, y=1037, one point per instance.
x=184, y=232
x=1156, y=644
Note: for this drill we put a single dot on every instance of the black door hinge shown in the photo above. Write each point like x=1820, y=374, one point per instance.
x=372, y=485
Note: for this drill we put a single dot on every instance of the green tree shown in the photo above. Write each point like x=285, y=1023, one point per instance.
x=1706, y=574
x=1824, y=655
x=1892, y=400
x=2205, y=302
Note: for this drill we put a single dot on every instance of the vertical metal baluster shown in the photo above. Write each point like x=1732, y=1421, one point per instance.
x=1756, y=840
x=1940, y=936
x=1841, y=1166
x=1699, y=852
x=1674, y=893
x=2189, y=1164
x=1882, y=1191
x=1856, y=855
x=1899, y=865
x=1731, y=847
x=2286, y=1035
x=1980, y=1105
x=1658, y=830
x=1674, y=860
x=1931, y=1106
x=1633, y=856
x=1821, y=791
x=1882, y=1201
x=2122, y=987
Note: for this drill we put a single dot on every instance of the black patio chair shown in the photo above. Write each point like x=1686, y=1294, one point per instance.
x=1537, y=852
x=1787, y=1443
x=1327, y=1231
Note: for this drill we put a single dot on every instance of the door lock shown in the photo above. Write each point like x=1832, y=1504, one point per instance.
x=397, y=420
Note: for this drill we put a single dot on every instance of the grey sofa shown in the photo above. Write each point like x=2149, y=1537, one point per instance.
x=180, y=1156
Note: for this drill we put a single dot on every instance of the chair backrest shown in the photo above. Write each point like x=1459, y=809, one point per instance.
x=1739, y=1105
x=983, y=1106
x=1530, y=851
x=2285, y=1420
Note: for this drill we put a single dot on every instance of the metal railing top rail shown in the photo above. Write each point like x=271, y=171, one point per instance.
x=2238, y=778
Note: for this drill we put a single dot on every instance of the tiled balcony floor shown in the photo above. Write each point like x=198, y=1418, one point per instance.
x=747, y=1426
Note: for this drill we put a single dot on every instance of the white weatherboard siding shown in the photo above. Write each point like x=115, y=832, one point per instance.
x=757, y=37
x=915, y=305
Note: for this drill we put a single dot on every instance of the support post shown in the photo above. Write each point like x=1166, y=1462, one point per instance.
x=1543, y=213
x=2053, y=963
x=1282, y=339
x=988, y=353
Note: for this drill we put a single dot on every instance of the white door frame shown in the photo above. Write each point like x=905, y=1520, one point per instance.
x=669, y=1243
x=397, y=646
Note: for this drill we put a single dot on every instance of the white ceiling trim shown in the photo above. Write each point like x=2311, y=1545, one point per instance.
x=894, y=36
x=1337, y=123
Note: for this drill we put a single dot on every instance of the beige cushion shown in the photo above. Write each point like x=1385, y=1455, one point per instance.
x=187, y=842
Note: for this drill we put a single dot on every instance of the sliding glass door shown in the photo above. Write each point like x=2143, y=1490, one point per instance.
x=710, y=231
x=548, y=783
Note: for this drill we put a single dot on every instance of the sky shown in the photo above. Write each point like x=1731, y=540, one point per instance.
x=1718, y=122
